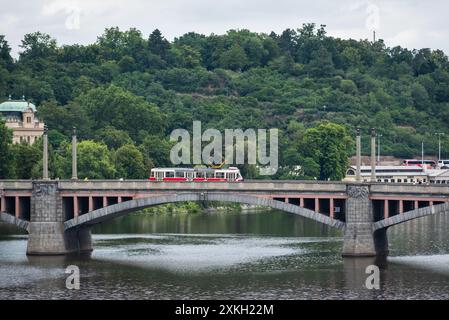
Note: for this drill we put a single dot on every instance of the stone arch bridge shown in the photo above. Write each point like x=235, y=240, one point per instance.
x=58, y=214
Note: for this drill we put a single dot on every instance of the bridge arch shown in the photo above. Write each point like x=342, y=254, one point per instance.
x=123, y=208
x=10, y=219
x=411, y=215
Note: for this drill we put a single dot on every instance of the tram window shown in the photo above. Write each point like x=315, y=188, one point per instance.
x=405, y=180
x=169, y=174
x=393, y=181
x=378, y=180
x=200, y=175
x=385, y=180
x=220, y=175
x=152, y=174
x=209, y=174
x=179, y=174
x=399, y=180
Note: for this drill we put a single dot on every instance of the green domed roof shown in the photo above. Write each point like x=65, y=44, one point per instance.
x=16, y=106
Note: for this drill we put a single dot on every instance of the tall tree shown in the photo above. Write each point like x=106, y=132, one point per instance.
x=6, y=158
x=38, y=45
x=94, y=161
x=129, y=163
x=6, y=60
x=158, y=45
x=328, y=145
x=25, y=158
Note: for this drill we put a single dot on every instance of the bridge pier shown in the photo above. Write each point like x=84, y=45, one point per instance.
x=47, y=235
x=360, y=240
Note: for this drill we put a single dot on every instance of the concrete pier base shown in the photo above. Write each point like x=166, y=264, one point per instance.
x=47, y=235
x=49, y=238
x=358, y=241
x=359, y=238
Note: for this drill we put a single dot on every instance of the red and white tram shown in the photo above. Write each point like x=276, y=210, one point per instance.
x=231, y=174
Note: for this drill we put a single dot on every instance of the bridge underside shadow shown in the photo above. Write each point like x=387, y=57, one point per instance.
x=124, y=208
x=411, y=215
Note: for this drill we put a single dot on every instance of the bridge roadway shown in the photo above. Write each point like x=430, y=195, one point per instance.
x=58, y=214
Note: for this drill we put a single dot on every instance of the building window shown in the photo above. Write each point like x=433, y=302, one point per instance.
x=392, y=180
x=28, y=119
x=399, y=180
x=405, y=180
x=28, y=139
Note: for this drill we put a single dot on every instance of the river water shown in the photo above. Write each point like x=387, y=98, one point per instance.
x=230, y=255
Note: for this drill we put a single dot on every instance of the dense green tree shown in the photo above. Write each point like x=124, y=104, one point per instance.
x=116, y=107
x=38, y=45
x=94, y=161
x=6, y=155
x=328, y=145
x=129, y=163
x=321, y=64
x=6, y=60
x=25, y=158
x=156, y=151
x=158, y=45
x=234, y=58
x=113, y=138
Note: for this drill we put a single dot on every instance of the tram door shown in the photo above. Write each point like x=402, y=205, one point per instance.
x=231, y=176
x=159, y=176
x=189, y=176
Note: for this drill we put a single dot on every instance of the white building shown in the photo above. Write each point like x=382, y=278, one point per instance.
x=20, y=116
x=400, y=174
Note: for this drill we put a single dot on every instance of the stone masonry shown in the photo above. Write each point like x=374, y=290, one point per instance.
x=359, y=237
x=46, y=231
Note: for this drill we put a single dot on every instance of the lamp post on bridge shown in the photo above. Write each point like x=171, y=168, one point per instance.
x=439, y=134
x=358, y=156
x=373, y=155
x=378, y=147
x=45, y=154
x=74, y=155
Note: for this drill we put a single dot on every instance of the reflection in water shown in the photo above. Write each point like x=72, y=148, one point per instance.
x=264, y=255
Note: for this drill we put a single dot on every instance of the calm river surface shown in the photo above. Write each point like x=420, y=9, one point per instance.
x=251, y=255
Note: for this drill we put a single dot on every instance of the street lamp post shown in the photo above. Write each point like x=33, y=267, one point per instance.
x=45, y=154
x=439, y=134
x=378, y=148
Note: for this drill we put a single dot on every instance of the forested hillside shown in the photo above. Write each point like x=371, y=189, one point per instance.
x=127, y=91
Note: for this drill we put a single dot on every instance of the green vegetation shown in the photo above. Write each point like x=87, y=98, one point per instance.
x=126, y=92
